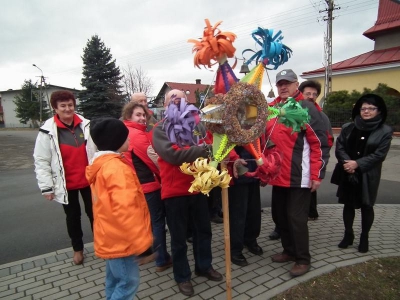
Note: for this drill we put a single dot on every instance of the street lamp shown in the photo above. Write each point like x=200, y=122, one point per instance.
x=38, y=68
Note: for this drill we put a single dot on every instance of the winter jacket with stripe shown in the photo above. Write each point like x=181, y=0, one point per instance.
x=49, y=167
x=305, y=154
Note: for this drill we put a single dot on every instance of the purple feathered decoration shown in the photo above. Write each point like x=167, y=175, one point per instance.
x=180, y=123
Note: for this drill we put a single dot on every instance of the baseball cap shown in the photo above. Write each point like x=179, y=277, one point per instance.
x=287, y=74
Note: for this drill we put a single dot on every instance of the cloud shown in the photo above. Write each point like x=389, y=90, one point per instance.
x=153, y=35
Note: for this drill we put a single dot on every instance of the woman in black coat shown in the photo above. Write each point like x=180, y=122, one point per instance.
x=361, y=148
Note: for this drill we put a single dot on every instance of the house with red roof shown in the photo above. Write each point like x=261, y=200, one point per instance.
x=381, y=65
x=193, y=91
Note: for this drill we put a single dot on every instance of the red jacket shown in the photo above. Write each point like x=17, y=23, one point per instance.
x=304, y=153
x=171, y=156
x=73, y=152
x=138, y=155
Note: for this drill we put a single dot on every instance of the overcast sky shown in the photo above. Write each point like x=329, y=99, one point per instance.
x=153, y=34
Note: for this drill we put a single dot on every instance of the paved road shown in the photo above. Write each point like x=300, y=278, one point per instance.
x=30, y=226
x=53, y=275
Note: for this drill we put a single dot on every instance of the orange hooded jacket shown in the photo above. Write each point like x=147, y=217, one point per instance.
x=121, y=217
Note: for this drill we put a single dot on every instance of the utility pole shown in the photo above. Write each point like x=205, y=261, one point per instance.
x=328, y=45
x=42, y=84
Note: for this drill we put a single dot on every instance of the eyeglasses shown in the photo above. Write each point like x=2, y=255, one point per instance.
x=363, y=109
x=311, y=94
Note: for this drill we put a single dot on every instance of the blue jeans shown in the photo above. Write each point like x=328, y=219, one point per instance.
x=157, y=214
x=122, y=278
x=181, y=211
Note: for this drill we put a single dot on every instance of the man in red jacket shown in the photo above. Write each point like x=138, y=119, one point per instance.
x=304, y=159
x=174, y=143
x=287, y=87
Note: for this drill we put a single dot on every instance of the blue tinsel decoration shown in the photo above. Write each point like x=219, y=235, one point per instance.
x=272, y=52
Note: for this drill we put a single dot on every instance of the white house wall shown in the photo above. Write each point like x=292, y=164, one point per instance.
x=10, y=120
x=7, y=101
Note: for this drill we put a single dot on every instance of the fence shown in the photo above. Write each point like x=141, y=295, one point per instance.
x=340, y=116
x=15, y=125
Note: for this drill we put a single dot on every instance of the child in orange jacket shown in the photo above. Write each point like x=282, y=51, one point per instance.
x=121, y=226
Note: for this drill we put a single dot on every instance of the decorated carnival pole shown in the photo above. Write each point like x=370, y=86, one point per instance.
x=216, y=46
x=232, y=99
x=236, y=115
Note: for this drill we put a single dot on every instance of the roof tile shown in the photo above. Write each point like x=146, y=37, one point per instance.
x=375, y=57
x=388, y=18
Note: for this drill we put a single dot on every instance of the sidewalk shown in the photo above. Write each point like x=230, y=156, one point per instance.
x=53, y=275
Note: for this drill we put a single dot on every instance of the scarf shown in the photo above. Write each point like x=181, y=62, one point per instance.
x=367, y=125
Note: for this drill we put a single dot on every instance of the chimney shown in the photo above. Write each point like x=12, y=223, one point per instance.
x=198, y=81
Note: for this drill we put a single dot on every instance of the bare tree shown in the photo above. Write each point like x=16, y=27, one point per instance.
x=136, y=80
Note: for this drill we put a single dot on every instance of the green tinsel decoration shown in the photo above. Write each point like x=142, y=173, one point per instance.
x=224, y=147
x=291, y=114
x=273, y=112
x=294, y=115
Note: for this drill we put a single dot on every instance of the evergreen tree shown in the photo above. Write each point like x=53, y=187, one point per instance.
x=28, y=105
x=102, y=96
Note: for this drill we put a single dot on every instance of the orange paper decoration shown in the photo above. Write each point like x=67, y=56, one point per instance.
x=214, y=45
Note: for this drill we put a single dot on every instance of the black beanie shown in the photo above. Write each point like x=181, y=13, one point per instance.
x=108, y=133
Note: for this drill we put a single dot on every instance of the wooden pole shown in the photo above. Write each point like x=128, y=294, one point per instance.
x=227, y=238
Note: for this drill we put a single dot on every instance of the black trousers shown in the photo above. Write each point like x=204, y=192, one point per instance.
x=73, y=215
x=215, y=202
x=244, y=215
x=182, y=211
x=313, y=213
x=290, y=208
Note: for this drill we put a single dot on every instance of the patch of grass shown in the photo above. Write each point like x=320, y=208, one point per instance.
x=371, y=280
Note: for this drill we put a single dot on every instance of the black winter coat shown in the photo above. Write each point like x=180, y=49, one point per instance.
x=370, y=165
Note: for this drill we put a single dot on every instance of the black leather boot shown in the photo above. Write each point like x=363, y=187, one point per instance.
x=363, y=246
x=347, y=240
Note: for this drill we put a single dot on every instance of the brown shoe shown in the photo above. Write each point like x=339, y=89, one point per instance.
x=147, y=256
x=142, y=260
x=186, y=288
x=164, y=267
x=299, y=270
x=282, y=258
x=78, y=257
x=211, y=274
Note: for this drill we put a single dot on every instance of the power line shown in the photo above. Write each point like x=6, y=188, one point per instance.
x=302, y=15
